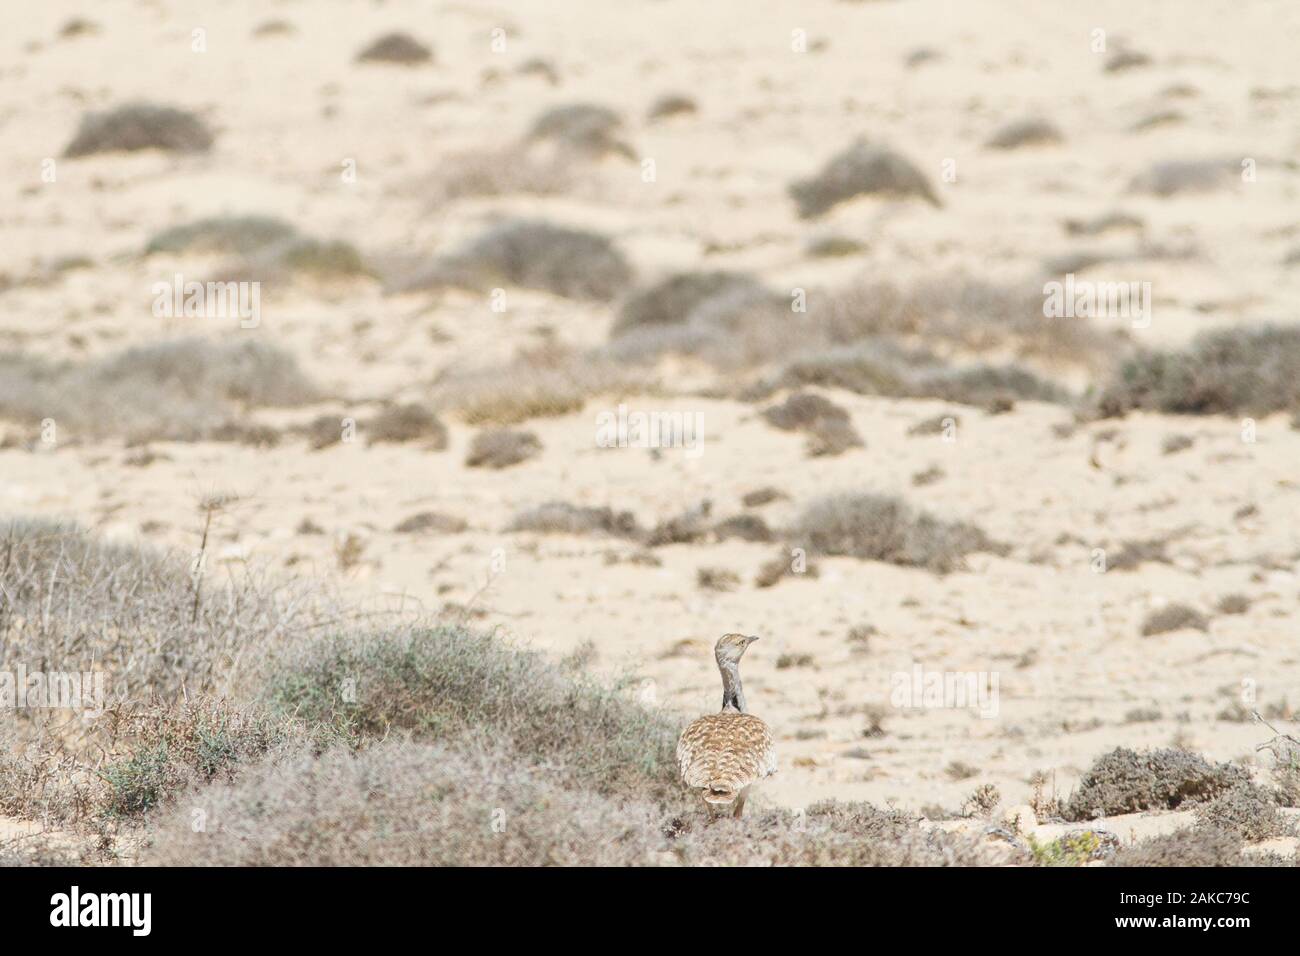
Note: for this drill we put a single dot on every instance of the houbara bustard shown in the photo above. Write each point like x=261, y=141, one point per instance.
x=722, y=755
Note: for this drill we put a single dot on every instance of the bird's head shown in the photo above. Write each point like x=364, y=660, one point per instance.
x=731, y=647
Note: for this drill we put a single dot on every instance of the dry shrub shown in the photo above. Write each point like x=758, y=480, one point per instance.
x=557, y=517
x=1233, y=604
x=1135, y=552
x=533, y=254
x=1026, y=132
x=1246, y=810
x=502, y=172
x=1174, y=617
x=1185, y=176
x=671, y=104
x=960, y=313
x=399, y=803
x=320, y=257
x=762, y=496
x=1158, y=120
x=240, y=235
x=582, y=128
x=537, y=66
x=137, y=126
x=400, y=48
x=1189, y=846
x=827, y=424
x=862, y=169
x=501, y=448
x=404, y=804
x=883, y=528
x=398, y=424
x=783, y=566
x=1126, y=781
x=874, y=337
x=1228, y=372
x=936, y=425
x=274, y=28
x=444, y=682
x=1106, y=222
x=539, y=383
x=686, y=528
x=744, y=527
x=180, y=390
x=717, y=579
x=1125, y=58
x=264, y=247
x=671, y=300
x=78, y=26
x=435, y=522
x=75, y=603
x=158, y=749
x=802, y=411
x=833, y=247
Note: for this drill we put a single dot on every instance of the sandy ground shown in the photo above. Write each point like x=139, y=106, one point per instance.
x=1062, y=640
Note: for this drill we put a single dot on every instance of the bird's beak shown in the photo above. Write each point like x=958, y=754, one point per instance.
x=751, y=639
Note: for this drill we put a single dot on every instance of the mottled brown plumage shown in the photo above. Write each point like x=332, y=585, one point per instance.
x=721, y=755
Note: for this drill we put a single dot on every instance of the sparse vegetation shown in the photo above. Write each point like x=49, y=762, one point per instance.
x=782, y=566
x=536, y=255
x=582, y=128
x=501, y=172
x=717, y=579
x=1235, y=371
x=130, y=611
x=862, y=169
x=671, y=104
x=241, y=235
x=1184, y=176
x=557, y=517
x=1026, y=132
x=833, y=247
x=539, y=383
x=1073, y=849
x=1246, y=810
x=1233, y=604
x=1100, y=225
x=398, y=424
x=1126, y=781
x=746, y=527
x=137, y=126
x=399, y=48
x=1189, y=846
x=828, y=426
x=431, y=522
x=881, y=528
x=689, y=526
x=448, y=682
x=180, y=390
x=672, y=300
x=1174, y=617
x=501, y=448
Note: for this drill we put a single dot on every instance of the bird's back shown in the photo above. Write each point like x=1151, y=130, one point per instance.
x=722, y=753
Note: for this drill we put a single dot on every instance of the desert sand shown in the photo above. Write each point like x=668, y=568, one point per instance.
x=291, y=109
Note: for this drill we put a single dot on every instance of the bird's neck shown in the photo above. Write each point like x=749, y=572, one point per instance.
x=733, y=695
